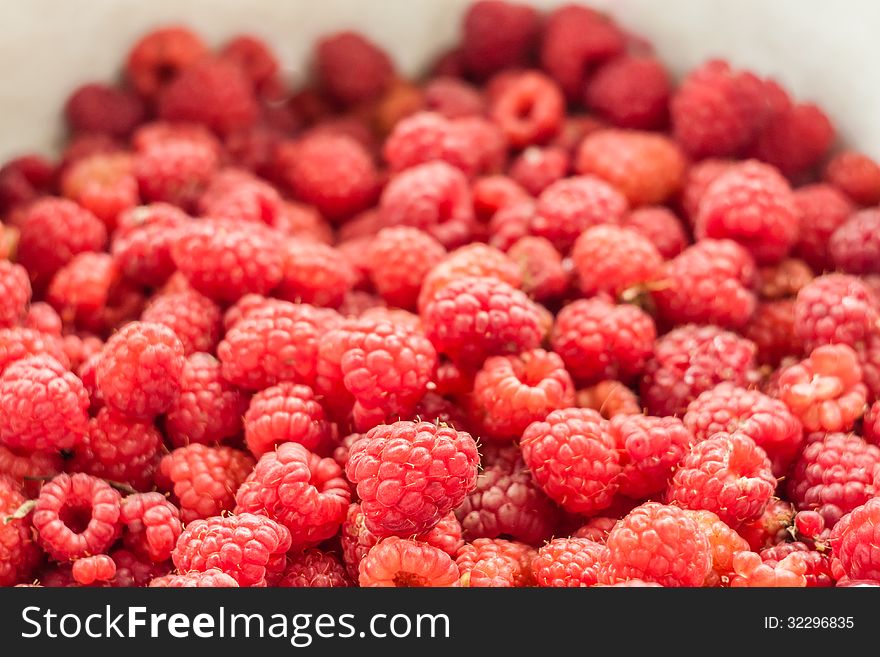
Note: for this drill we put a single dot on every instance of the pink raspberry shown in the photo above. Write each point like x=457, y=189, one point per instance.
x=351, y=68
x=256, y=59
x=569, y=562
x=313, y=568
x=854, y=246
x=237, y=194
x=609, y=398
x=314, y=273
x=612, y=260
x=194, y=318
x=724, y=543
x=103, y=184
x=15, y=293
x=453, y=97
x=18, y=343
x=152, y=525
x=396, y=562
x=210, y=578
x=472, y=260
x=751, y=571
x=855, y=542
x=175, y=169
x=428, y=137
x=822, y=209
x=835, y=308
x=398, y=259
x=631, y=91
x=528, y=108
x=286, y=412
x=43, y=318
x=495, y=563
x=856, y=175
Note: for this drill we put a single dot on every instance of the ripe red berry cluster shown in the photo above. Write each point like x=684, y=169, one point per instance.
x=539, y=318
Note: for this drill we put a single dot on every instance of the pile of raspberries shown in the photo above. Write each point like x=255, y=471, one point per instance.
x=542, y=318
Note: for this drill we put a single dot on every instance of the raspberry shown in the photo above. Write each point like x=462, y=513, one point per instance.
x=716, y=111
x=298, y=489
x=75, y=516
x=283, y=413
x=751, y=204
x=100, y=108
x=396, y=562
x=662, y=228
x=256, y=59
x=452, y=98
x=528, y=108
x=785, y=279
x=46, y=406
x=250, y=549
x=569, y=562
x=314, y=569
x=237, y=194
x=433, y=197
x=204, y=479
x=823, y=209
x=29, y=467
x=495, y=563
x=818, y=572
x=208, y=409
x=152, y=525
x=357, y=540
x=472, y=260
x=160, y=55
x=631, y=91
x=599, y=340
x=573, y=458
x=752, y=571
x=772, y=528
x=698, y=178
x=498, y=35
x=381, y=463
x=398, y=259
x=302, y=221
x=646, y=168
x=609, y=398
x=658, y=543
x=795, y=138
x=869, y=360
x=575, y=40
x=611, y=260
x=119, y=449
x=15, y=293
x=724, y=543
x=835, y=308
x=650, y=448
x=175, y=170
x=53, y=231
x=854, y=246
x=833, y=475
x=691, y=359
x=871, y=425
x=143, y=240
x=351, y=68
x=543, y=274
x=314, y=273
x=194, y=318
x=19, y=555
x=22, y=180
x=428, y=137
x=536, y=168
x=40, y=316
x=274, y=343
x=730, y=408
x=596, y=529
x=18, y=343
x=102, y=184
x=825, y=391
x=139, y=369
x=210, y=578
x=856, y=175
x=854, y=541
x=491, y=193
x=568, y=207
x=97, y=568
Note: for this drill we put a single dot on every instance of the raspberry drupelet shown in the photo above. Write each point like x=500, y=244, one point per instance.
x=397, y=562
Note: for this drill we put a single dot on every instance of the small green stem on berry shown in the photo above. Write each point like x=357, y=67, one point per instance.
x=21, y=511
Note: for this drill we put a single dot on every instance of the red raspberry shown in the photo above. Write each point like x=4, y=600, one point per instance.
x=473, y=318
x=15, y=293
x=314, y=273
x=495, y=563
x=498, y=35
x=511, y=392
x=528, y=108
x=599, y=340
x=818, y=564
x=647, y=168
x=871, y=425
x=536, y=168
x=53, y=231
x=22, y=180
x=569, y=206
x=835, y=308
x=160, y=55
x=650, y=448
x=250, y=549
x=204, y=479
x=543, y=274
x=175, y=169
x=809, y=524
x=631, y=91
x=823, y=209
x=103, y=184
x=698, y=178
x=447, y=460
x=17, y=343
x=856, y=175
x=785, y=279
x=225, y=260
x=237, y=194
x=302, y=221
x=751, y=204
x=691, y=359
x=283, y=413
x=472, y=260
x=610, y=259
x=97, y=568
x=751, y=571
x=574, y=41
x=491, y=193
x=40, y=316
x=75, y=516
x=210, y=578
x=100, y=108
x=46, y=406
x=569, y=562
x=452, y=97
x=194, y=318
x=79, y=349
x=855, y=541
x=609, y=398
x=396, y=562
x=730, y=408
x=351, y=68
x=662, y=228
x=717, y=111
x=825, y=391
x=152, y=525
x=298, y=489
x=313, y=568
x=724, y=542
x=19, y=555
x=31, y=468
x=854, y=246
x=772, y=528
x=869, y=359
x=119, y=449
x=208, y=410
x=398, y=260
x=143, y=240
x=795, y=138
x=658, y=543
x=428, y=137
x=727, y=474
x=596, y=529
x=573, y=457
x=833, y=475
x=357, y=540
x=273, y=343
x=139, y=369
x=433, y=197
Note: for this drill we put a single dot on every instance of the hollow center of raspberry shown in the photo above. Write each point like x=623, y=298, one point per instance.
x=409, y=580
x=76, y=517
